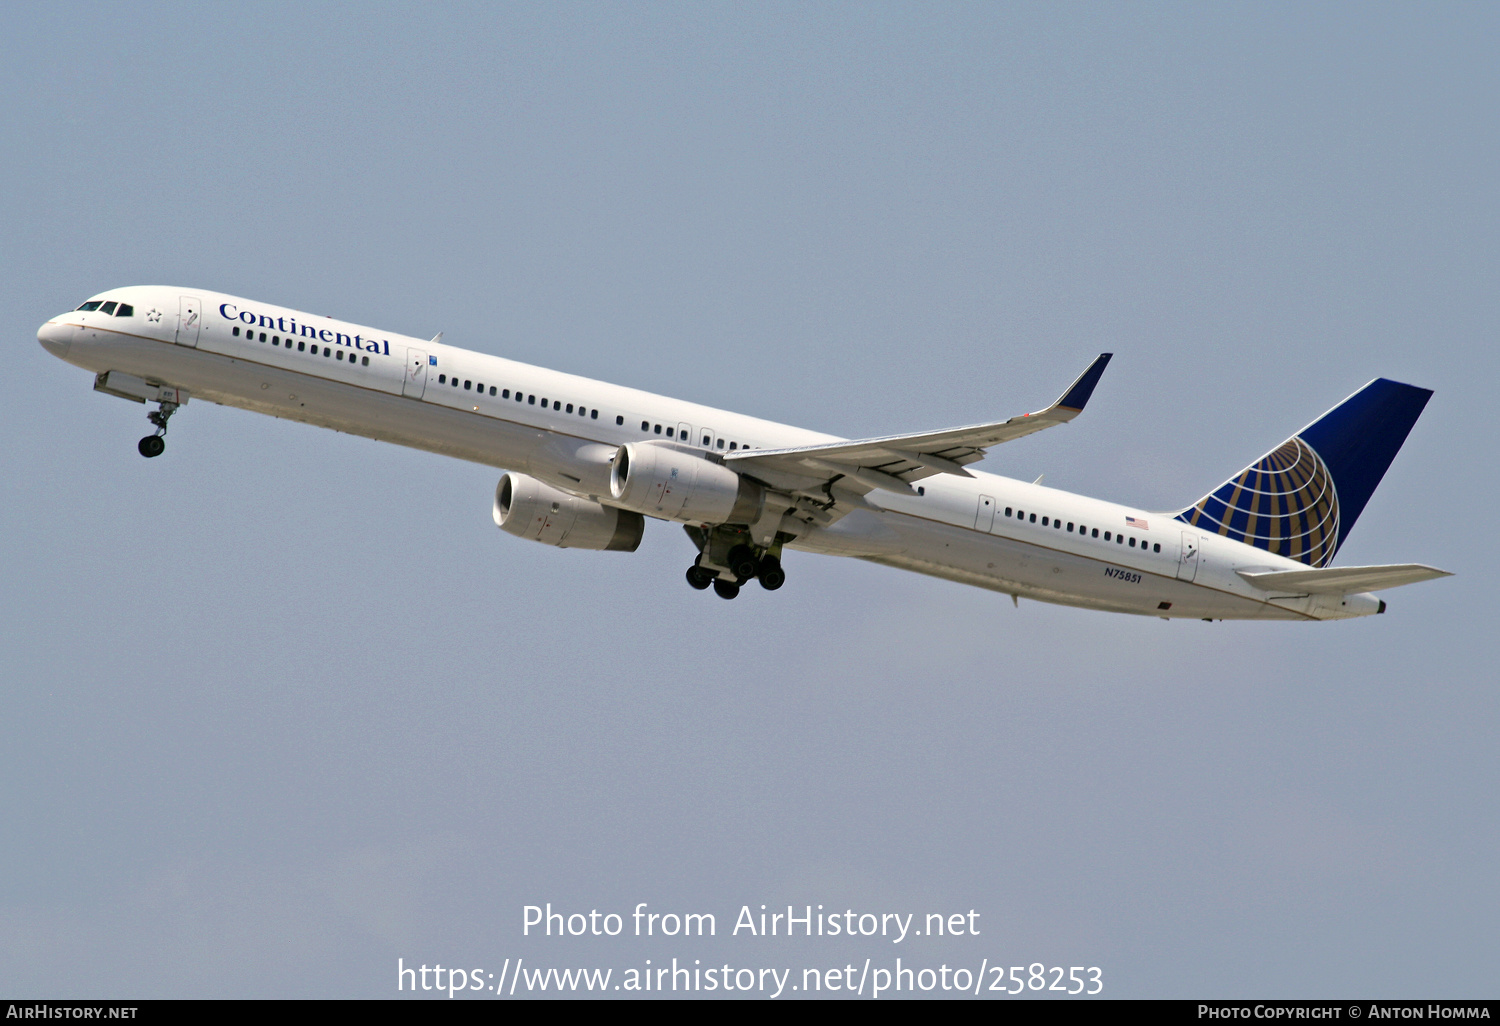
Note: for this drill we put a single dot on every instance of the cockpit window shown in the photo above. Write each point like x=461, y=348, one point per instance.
x=108, y=308
x=125, y=310
x=92, y=304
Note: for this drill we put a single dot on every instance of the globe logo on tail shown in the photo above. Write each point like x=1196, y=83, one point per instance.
x=1284, y=503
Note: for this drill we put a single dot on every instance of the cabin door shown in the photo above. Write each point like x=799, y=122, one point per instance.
x=415, y=382
x=1187, y=557
x=189, y=320
x=984, y=516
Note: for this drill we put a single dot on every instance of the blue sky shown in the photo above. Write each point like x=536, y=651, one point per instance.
x=283, y=706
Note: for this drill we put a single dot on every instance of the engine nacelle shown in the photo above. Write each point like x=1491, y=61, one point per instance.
x=527, y=508
x=661, y=480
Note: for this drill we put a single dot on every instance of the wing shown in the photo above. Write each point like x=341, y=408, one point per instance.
x=893, y=462
x=1342, y=580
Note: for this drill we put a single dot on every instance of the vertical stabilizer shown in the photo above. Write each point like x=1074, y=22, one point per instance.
x=1302, y=498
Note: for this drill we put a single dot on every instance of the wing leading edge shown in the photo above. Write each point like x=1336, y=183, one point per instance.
x=893, y=462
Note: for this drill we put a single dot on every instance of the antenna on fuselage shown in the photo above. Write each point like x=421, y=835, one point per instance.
x=436, y=339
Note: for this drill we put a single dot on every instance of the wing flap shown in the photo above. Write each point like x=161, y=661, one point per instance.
x=1342, y=580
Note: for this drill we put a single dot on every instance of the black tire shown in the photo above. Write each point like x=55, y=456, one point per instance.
x=742, y=562
x=771, y=573
x=151, y=445
x=699, y=578
x=726, y=589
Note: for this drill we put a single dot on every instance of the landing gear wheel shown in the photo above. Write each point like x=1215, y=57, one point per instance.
x=699, y=578
x=771, y=575
x=742, y=562
x=151, y=445
x=726, y=589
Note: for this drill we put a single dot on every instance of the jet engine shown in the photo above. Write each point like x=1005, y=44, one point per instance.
x=527, y=508
x=661, y=480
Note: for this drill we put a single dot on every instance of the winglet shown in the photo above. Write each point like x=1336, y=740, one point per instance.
x=1078, y=393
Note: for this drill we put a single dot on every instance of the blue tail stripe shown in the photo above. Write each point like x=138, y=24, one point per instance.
x=1302, y=498
x=1360, y=437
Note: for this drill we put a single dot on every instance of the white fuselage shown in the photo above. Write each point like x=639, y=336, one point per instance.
x=556, y=426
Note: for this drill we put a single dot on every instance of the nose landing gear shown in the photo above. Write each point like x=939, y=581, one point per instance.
x=154, y=445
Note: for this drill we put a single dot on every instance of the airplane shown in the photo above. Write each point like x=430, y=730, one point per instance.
x=586, y=463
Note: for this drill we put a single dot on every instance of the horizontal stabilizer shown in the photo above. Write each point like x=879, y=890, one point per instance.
x=1342, y=580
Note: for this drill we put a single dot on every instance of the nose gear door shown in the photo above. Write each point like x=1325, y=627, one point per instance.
x=189, y=320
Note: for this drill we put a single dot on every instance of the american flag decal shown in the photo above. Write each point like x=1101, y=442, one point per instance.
x=1135, y=522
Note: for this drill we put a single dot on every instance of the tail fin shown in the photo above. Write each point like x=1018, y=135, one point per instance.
x=1302, y=498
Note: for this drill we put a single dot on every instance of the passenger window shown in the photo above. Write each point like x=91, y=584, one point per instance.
x=263, y=336
x=364, y=361
x=1044, y=521
x=1119, y=539
x=235, y=331
x=96, y=303
x=442, y=379
x=669, y=432
x=300, y=345
x=467, y=384
x=1070, y=527
x=1132, y=543
x=619, y=420
x=544, y=402
x=707, y=441
x=1007, y=511
x=1156, y=547
x=556, y=405
x=1096, y=533
x=720, y=443
x=1033, y=518
x=341, y=354
x=492, y=387
x=1056, y=525
x=1106, y=536
x=569, y=409
x=658, y=429
x=595, y=415
x=275, y=340
x=645, y=425
x=326, y=351
x=731, y=446
x=531, y=400
x=126, y=310
x=108, y=308
x=479, y=387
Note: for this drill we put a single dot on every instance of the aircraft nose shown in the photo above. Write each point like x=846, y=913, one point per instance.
x=55, y=337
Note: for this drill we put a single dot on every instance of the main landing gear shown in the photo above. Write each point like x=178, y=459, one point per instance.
x=154, y=445
x=728, y=562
